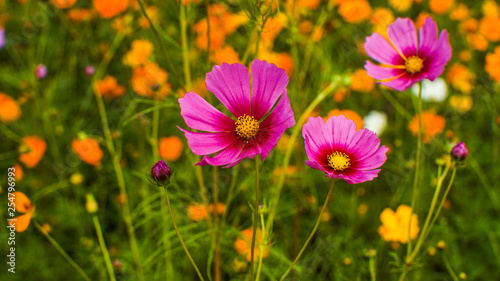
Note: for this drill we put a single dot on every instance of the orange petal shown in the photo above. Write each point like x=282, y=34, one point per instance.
x=23, y=204
x=23, y=222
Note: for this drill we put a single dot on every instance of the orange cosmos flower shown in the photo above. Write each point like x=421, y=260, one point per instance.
x=19, y=173
x=222, y=23
x=491, y=8
x=150, y=81
x=9, y=109
x=22, y=205
x=355, y=11
x=401, y=6
x=432, y=124
x=79, y=15
x=110, y=8
x=460, y=12
x=493, y=64
x=139, y=53
x=88, y=150
x=349, y=114
x=198, y=212
x=362, y=82
x=243, y=244
x=395, y=226
x=32, y=149
x=441, y=7
x=461, y=78
x=171, y=148
x=63, y=4
x=109, y=88
x=490, y=28
x=461, y=103
x=381, y=19
x=226, y=54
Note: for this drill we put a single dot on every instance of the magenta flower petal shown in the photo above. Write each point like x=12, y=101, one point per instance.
x=337, y=149
x=382, y=73
x=401, y=83
x=403, y=36
x=230, y=83
x=226, y=156
x=268, y=83
x=427, y=35
x=248, y=135
x=377, y=47
x=200, y=115
x=417, y=58
x=208, y=143
x=275, y=125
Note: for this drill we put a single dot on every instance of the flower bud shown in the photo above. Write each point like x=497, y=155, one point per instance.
x=89, y=70
x=91, y=204
x=161, y=172
x=41, y=71
x=459, y=152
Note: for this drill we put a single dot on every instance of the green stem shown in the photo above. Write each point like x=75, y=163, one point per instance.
x=423, y=233
x=449, y=268
x=217, y=224
x=104, y=249
x=443, y=200
x=293, y=138
x=162, y=47
x=312, y=233
x=164, y=192
x=166, y=240
x=62, y=252
x=417, y=164
x=261, y=247
x=185, y=47
x=116, y=155
x=255, y=217
x=373, y=273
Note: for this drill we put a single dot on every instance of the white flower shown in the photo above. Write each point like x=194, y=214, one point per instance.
x=432, y=90
x=376, y=121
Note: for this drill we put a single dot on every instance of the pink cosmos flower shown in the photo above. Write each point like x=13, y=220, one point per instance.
x=405, y=60
x=254, y=129
x=340, y=151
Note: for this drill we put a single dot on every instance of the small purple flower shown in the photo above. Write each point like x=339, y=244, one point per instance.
x=161, y=172
x=2, y=38
x=256, y=129
x=89, y=70
x=41, y=71
x=407, y=58
x=340, y=151
x=459, y=152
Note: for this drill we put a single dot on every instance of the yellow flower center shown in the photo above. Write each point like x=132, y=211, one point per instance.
x=414, y=64
x=247, y=127
x=339, y=161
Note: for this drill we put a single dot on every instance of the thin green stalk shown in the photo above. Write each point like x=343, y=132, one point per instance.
x=261, y=246
x=255, y=217
x=164, y=191
x=450, y=269
x=293, y=138
x=312, y=233
x=417, y=165
x=443, y=199
x=185, y=47
x=166, y=238
x=425, y=228
x=373, y=273
x=396, y=104
x=116, y=155
x=9, y=133
x=62, y=252
x=162, y=47
x=104, y=249
x=218, y=231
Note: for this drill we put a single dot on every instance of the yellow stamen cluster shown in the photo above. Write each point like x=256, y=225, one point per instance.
x=247, y=127
x=414, y=64
x=339, y=161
